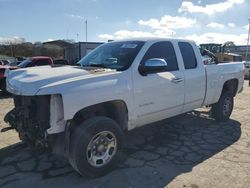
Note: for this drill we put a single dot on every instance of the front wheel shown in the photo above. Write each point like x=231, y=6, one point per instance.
x=222, y=110
x=95, y=146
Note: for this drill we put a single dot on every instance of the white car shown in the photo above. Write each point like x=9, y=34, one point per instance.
x=82, y=112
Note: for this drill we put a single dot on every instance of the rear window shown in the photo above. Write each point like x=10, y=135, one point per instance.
x=42, y=62
x=188, y=55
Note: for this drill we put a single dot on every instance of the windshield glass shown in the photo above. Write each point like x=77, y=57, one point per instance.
x=24, y=63
x=114, y=55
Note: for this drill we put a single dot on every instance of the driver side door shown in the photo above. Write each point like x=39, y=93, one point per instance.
x=159, y=95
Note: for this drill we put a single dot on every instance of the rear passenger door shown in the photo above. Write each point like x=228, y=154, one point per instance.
x=195, y=78
x=159, y=95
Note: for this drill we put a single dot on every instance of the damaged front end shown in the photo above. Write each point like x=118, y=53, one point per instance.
x=37, y=119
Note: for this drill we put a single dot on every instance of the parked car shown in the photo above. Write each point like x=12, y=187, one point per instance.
x=15, y=63
x=30, y=62
x=36, y=61
x=83, y=112
x=3, y=68
x=4, y=62
x=60, y=62
x=247, y=69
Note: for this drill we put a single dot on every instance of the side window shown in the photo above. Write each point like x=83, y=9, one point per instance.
x=42, y=62
x=164, y=50
x=188, y=55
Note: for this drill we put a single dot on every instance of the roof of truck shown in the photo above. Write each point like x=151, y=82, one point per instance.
x=154, y=39
x=40, y=57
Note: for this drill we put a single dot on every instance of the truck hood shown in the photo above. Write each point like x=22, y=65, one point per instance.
x=28, y=81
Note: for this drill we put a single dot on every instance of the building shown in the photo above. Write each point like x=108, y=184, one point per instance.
x=241, y=50
x=76, y=51
x=55, y=49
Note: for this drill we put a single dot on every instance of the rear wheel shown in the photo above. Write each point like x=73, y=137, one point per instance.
x=222, y=110
x=95, y=146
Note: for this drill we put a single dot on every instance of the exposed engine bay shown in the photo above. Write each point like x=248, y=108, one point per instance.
x=35, y=118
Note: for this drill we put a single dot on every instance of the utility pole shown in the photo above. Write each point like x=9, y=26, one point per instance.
x=248, y=38
x=79, y=46
x=86, y=32
x=86, y=22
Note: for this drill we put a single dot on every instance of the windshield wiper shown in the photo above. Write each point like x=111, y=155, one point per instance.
x=97, y=65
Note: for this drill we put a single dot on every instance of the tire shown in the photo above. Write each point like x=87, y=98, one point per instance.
x=222, y=110
x=85, y=136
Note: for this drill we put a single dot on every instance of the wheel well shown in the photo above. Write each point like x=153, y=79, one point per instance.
x=116, y=110
x=231, y=85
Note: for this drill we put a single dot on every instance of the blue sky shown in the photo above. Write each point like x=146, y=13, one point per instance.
x=202, y=21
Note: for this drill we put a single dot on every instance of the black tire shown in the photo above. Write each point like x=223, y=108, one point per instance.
x=222, y=110
x=82, y=135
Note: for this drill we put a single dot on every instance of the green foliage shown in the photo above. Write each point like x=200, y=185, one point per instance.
x=29, y=50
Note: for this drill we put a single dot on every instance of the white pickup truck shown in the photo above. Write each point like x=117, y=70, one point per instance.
x=82, y=112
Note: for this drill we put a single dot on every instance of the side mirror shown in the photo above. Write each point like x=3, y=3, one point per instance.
x=153, y=65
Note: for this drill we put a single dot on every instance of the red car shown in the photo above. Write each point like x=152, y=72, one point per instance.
x=30, y=62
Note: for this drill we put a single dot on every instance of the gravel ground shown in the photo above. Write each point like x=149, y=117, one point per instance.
x=10, y=137
x=190, y=150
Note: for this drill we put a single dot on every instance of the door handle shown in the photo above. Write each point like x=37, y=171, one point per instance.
x=176, y=80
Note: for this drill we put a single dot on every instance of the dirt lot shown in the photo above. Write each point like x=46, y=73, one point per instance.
x=190, y=150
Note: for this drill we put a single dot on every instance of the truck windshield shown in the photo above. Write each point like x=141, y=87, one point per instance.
x=114, y=55
x=24, y=63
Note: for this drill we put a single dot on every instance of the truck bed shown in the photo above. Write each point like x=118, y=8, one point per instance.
x=217, y=74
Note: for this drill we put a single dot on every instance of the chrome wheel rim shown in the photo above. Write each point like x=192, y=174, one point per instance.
x=227, y=106
x=101, y=149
